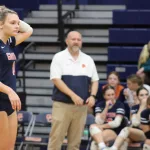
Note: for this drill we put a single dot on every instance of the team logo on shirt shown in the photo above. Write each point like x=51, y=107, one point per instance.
x=83, y=65
x=11, y=56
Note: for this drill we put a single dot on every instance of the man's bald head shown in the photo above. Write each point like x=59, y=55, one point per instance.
x=73, y=33
x=74, y=41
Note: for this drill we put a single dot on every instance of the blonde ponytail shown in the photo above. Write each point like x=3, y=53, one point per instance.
x=144, y=55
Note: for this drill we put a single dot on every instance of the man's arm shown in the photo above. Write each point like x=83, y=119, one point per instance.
x=94, y=88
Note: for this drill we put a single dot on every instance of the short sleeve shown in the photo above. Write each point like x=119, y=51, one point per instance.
x=94, y=73
x=134, y=109
x=145, y=118
x=120, y=110
x=100, y=107
x=55, y=68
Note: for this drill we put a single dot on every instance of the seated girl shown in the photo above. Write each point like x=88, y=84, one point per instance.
x=109, y=116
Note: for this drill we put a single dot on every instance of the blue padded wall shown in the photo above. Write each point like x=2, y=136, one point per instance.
x=131, y=17
x=69, y=2
x=123, y=70
x=26, y=4
x=129, y=36
x=123, y=54
x=138, y=4
x=111, y=2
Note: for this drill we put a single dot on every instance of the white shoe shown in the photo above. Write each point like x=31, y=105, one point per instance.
x=106, y=148
x=146, y=147
x=94, y=146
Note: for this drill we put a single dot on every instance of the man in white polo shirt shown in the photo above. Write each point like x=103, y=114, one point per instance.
x=75, y=81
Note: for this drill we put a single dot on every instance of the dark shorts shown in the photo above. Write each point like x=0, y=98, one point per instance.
x=5, y=105
x=117, y=131
x=147, y=134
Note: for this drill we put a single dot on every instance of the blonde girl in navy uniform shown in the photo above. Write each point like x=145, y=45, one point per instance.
x=12, y=32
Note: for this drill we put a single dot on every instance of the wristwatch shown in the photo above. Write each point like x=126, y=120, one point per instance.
x=94, y=96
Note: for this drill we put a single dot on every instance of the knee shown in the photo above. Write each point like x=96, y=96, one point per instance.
x=124, y=133
x=94, y=130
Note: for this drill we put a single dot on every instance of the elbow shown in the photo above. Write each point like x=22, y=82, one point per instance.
x=136, y=123
x=99, y=120
x=30, y=31
x=114, y=124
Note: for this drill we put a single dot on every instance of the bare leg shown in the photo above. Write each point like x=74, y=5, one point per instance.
x=101, y=136
x=96, y=133
x=12, y=119
x=131, y=133
x=136, y=135
x=111, y=133
x=4, y=131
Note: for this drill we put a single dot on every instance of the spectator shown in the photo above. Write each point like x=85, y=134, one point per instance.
x=144, y=64
x=114, y=81
x=133, y=83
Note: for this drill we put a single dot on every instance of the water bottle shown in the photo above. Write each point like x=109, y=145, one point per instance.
x=86, y=133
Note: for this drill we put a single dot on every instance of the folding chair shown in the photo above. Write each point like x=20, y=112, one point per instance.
x=39, y=133
x=25, y=120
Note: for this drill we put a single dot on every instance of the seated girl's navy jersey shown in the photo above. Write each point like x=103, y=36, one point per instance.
x=117, y=109
x=7, y=63
x=145, y=120
x=145, y=117
x=135, y=109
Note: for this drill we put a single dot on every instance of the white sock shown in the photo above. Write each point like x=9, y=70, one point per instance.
x=101, y=145
x=114, y=148
x=146, y=147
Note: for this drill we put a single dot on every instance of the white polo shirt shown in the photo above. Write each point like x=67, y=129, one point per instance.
x=77, y=74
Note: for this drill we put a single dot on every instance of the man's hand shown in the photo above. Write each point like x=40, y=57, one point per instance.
x=77, y=100
x=90, y=101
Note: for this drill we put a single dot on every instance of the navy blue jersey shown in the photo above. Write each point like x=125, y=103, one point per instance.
x=117, y=109
x=135, y=109
x=145, y=117
x=7, y=63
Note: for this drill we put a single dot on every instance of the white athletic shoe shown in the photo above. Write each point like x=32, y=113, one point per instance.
x=146, y=147
x=94, y=146
x=106, y=148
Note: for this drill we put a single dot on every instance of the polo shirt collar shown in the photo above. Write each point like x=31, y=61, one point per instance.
x=70, y=56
